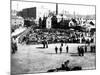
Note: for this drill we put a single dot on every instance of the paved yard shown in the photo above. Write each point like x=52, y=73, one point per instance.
x=34, y=59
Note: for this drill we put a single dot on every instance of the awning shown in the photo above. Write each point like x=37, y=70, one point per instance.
x=18, y=31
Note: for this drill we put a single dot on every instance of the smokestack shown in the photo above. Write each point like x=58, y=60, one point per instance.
x=56, y=8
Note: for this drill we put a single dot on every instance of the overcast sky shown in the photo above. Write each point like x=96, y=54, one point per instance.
x=44, y=7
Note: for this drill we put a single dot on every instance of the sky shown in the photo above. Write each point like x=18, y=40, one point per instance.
x=45, y=7
x=19, y=5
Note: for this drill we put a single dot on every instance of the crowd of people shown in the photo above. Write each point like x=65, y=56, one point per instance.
x=36, y=36
x=47, y=36
x=80, y=49
x=60, y=32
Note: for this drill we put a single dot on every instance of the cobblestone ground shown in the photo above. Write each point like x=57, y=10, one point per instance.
x=34, y=59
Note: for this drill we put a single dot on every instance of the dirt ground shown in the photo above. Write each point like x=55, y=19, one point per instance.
x=35, y=59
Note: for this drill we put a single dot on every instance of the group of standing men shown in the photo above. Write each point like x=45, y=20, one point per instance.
x=60, y=49
x=82, y=50
x=45, y=44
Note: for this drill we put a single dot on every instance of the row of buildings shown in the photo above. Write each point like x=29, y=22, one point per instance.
x=30, y=16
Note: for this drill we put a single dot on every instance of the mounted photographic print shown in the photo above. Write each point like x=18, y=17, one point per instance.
x=52, y=37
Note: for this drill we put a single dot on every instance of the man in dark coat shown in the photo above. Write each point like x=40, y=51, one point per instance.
x=91, y=47
x=43, y=44
x=14, y=47
x=46, y=42
x=85, y=48
x=67, y=49
x=78, y=51
x=60, y=49
x=61, y=44
x=81, y=51
x=56, y=49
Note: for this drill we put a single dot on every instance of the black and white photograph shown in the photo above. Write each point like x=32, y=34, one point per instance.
x=52, y=37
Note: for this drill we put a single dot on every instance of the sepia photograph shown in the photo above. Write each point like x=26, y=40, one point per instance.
x=52, y=37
